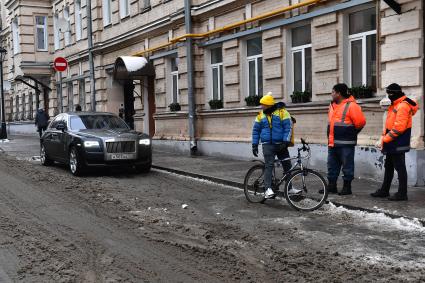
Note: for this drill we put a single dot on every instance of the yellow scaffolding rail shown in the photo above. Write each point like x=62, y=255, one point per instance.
x=227, y=27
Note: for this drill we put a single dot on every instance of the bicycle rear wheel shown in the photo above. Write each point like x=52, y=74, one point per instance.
x=254, y=184
x=306, y=190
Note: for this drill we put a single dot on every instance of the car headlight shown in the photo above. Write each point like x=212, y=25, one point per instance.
x=91, y=144
x=145, y=141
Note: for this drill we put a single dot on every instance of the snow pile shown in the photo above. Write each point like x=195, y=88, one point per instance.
x=133, y=63
x=374, y=220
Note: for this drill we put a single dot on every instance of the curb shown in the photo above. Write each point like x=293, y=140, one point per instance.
x=240, y=185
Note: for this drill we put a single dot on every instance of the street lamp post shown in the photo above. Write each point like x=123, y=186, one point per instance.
x=3, y=133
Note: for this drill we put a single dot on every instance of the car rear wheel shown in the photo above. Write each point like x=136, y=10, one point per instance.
x=75, y=163
x=143, y=168
x=44, y=158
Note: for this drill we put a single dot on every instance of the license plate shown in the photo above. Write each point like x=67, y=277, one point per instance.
x=117, y=156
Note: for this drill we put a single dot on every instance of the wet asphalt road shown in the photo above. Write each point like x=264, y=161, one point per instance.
x=124, y=227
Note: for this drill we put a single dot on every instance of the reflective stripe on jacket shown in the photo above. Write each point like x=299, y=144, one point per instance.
x=272, y=129
x=398, y=126
x=345, y=120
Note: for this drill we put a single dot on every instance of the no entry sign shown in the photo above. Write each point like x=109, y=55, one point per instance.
x=60, y=64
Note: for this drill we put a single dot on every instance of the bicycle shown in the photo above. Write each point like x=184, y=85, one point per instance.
x=311, y=187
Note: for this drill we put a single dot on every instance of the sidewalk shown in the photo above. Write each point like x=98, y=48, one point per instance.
x=232, y=172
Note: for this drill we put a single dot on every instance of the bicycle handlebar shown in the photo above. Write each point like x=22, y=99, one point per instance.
x=305, y=147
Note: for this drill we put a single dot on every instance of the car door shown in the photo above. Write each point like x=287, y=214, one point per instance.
x=62, y=152
x=49, y=138
x=55, y=138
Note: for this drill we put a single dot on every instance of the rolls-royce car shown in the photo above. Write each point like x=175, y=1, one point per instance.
x=94, y=139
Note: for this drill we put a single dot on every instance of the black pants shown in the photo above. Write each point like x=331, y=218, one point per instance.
x=395, y=161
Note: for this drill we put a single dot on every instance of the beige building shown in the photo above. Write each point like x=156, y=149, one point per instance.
x=241, y=49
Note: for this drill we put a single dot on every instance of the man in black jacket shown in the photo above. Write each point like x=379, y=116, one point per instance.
x=41, y=121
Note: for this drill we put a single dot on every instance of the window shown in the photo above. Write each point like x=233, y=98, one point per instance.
x=146, y=4
x=301, y=59
x=78, y=20
x=174, y=79
x=82, y=94
x=70, y=91
x=107, y=12
x=255, y=66
x=67, y=33
x=362, y=48
x=124, y=8
x=217, y=73
x=56, y=31
x=15, y=36
x=41, y=32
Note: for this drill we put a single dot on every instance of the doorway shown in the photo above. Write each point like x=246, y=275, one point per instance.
x=128, y=112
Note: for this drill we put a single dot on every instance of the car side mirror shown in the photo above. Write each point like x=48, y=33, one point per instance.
x=61, y=127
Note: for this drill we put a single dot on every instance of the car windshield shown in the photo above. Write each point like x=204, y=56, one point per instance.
x=84, y=122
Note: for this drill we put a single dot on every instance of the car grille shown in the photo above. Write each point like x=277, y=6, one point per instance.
x=120, y=146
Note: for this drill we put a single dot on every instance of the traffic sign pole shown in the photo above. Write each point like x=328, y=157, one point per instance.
x=60, y=64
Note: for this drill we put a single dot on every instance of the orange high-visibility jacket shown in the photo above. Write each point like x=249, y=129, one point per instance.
x=346, y=120
x=398, y=126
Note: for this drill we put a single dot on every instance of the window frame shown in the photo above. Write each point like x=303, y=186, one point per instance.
x=172, y=75
x=67, y=35
x=78, y=15
x=56, y=33
x=108, y=12
x=254, y=58
x=356, y=37
x=297, y=49
x=15, y=36
x=127, y=5
x=175, y=74
x=219, y=67
x=44, y=27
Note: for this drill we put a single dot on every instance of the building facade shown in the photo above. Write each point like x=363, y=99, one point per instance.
x=241, y=49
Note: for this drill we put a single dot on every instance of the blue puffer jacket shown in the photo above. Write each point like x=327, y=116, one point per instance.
x=274, y=128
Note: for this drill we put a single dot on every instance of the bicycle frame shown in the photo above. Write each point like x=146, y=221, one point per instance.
x=299, y=164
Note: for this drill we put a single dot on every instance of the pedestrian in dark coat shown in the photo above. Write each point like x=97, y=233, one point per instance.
x=41, y=121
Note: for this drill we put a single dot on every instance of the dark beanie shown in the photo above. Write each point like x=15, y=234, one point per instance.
x=342, y=89
x=393, y=89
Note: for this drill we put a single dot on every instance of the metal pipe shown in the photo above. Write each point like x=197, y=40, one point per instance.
x=190, y=82
x=91, y=60
x=3, y=133
x=228, y=27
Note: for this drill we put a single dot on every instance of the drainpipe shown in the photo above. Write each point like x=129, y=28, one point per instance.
x=190, y=80
x=423, y=57
x=91, y=62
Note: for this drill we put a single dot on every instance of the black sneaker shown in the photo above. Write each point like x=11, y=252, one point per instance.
x=398, y=197
x=346, y=189
x=380, y=194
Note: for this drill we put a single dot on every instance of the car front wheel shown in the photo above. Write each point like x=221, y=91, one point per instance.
x=143, y=168
x=75, y=163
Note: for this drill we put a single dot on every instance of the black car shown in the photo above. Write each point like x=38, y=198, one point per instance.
x=92, y=139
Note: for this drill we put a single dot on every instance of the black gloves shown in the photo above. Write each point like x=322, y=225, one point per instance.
x=255, y=150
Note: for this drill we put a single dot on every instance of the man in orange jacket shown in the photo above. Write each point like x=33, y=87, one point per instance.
x=346, y=120
x=396, y=141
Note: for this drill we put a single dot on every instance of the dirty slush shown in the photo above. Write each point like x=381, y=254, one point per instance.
x=124, y=227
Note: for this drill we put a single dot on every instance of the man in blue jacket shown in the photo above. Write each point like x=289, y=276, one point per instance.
x=273, y=128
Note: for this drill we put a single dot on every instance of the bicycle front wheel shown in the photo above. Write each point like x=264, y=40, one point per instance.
x=306, y=190
x=254, y=184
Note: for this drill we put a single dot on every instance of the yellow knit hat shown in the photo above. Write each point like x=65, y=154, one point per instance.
x=267, y=99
